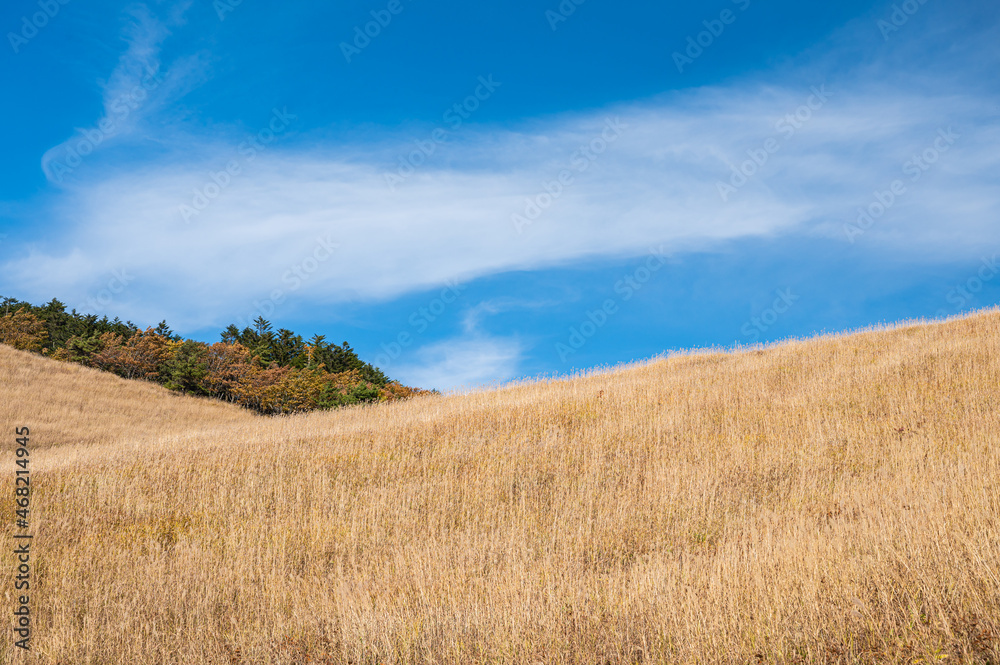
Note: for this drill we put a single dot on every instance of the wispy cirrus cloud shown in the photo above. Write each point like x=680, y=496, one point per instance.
x=139, y=87
x=657, y=184
x=798, y=150
x=463, y=363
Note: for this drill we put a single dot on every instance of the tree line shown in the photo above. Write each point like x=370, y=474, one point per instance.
x=269, y=371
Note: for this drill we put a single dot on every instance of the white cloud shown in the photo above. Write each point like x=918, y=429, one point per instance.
x=655, y=184
x=458, y=364
x=474, y=316
x=137, y=88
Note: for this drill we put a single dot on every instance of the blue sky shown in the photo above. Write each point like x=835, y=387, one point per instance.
x=471, y=193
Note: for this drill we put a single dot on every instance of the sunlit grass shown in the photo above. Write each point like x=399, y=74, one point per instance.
x=825, y=501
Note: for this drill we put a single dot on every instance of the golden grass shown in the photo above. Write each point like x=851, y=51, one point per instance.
x=824, y=501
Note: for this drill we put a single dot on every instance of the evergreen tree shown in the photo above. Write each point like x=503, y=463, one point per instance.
x=257, y=367
x=231, y=335
x=187, y=368
x=163, y=330
x=262, y=346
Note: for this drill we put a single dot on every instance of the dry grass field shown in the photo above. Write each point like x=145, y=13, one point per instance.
x=827, y=501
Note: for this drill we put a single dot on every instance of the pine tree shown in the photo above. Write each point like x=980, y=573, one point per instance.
x=163, y=330
x=187, y=368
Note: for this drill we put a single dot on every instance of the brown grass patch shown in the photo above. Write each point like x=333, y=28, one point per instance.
x=825, y=501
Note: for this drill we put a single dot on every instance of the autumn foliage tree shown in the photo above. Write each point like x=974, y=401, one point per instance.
x=272, y=372
x=141, y=356
x=23, y=330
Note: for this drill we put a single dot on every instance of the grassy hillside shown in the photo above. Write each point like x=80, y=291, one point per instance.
x=834, y=500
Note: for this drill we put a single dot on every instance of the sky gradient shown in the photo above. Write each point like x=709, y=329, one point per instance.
x=473, y=193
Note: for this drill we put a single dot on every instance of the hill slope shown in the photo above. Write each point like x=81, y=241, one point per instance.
x=71, y=405
x=832, y=500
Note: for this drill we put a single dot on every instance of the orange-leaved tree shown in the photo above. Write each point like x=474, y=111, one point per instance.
x=139, y=357
x=23, y=330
